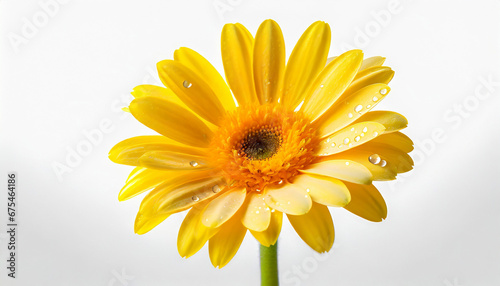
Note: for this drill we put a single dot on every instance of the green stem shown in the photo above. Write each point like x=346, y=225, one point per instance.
x=269, y=265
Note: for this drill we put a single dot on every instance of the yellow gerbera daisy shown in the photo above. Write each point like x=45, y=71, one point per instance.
x=298, y=139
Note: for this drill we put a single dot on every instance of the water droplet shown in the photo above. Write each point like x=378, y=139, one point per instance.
x=195, y=198
x=346, y=140
x=193, y=163
x=358, y=108
x=216, y=189
x=375, y=133
x=308, y=190
x=383, y=91
x=288, y=202
x=368, y=106
x=374, y=159
x=273, y=210
x=365, y=129
x=280, y=182
x=357, y=138
x=322, y=85
x=349, y=115
x=362, y=134
x=347, y=163
x=352, y=129
x=328, y=140
x=375, y=98
x=333, y=144
x=383, y=163
x=257, y=212
x=350, y=144
x=186, y=84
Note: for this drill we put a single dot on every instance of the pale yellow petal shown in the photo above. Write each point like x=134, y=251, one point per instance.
x=223, y=246
x=331, y=83
x=210, y=75
x=269, y=61
x=350, y=137
x=348, y=110
x=306, y=61
x=170, y=160
x=324, y=190
x=346, y=170
x=391, y=120
x=130, y=150
x=191, y=89
x=156, y=91
x=144, y=180
x=269, y=236
x=144, y=224
x=171, y=120
x=222, y=208
x=370, y=76
x=380, y=172
x=290, y=199
x=237, y=51
x=193, y=234
x=397, y=140
x=315, y=228
x=189, y=194
x=399, y=160
x=372, y=62
x=257, y=215
x=366, y=202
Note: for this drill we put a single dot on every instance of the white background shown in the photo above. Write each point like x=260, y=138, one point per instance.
x=67, y=69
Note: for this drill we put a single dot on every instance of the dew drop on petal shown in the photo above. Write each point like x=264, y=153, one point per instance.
x=257, y=212
x=375, y=133
x=358, y=108
x=357, y=138
x=383, y=163
x=186, y=84
x=365, y=129
x=195, y=198
x=216, y=189
x=347, y=163
x=368, y=106
x=346, y=140
x=333, y=144
x=350, y=144
x=383, y=91
x=374, y=159
x=352, y=129
x=273, y=210
x=349, y=115
x=280, y=182
x=322, y=85
x=193, y=163
x=375, y=98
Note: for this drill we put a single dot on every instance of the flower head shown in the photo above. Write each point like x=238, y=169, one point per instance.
x=299, y=138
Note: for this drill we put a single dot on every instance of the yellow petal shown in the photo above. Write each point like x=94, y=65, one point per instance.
x=144, y=224
x=398, y=159
x=315, y=228
x=397, y=140
x=350, y=137
x=130, y=150
x=210, y=75
x=269, y=236
x=331, y=83
x=370, y=76
x=172, y=182
x=223, y=207
x=324, y=190
x=380, y=172
x=306, y=61
x=269, y=61
x=192, y=233
x=346, y=170
x=237, y=51
x=156, y=91
x=372, y=62
x=223, y=246
x=191, y=89
x=366, y=202
x=257, y=214
x=290, y=199
x=170, y=160
x=144, y=180
x=189, y=194
x=351, y=108
x=171, y=120
x=391, y=120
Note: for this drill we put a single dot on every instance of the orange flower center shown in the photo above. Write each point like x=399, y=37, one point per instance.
x=262, y=145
